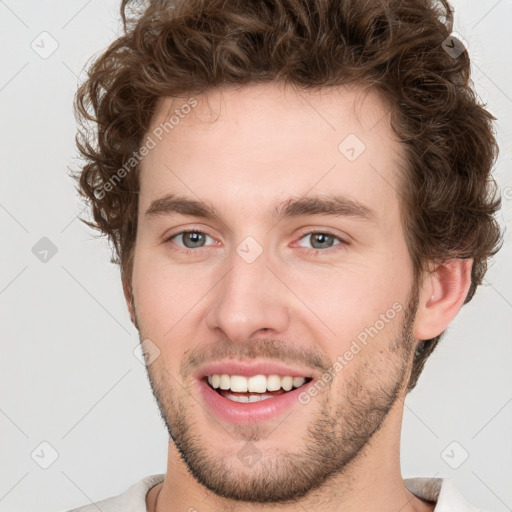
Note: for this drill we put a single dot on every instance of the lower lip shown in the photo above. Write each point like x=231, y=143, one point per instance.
x=249, y=413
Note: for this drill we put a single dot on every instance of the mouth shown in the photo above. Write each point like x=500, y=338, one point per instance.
x=242, y=389
x=252, y=399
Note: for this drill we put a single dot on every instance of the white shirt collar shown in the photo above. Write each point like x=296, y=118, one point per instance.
x=442, y=491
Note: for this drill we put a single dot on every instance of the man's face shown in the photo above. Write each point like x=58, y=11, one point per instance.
x=256, y=286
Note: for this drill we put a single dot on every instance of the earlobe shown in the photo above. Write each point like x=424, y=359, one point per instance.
x=442, y=295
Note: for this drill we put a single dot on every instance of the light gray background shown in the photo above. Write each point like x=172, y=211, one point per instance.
x=68, y=373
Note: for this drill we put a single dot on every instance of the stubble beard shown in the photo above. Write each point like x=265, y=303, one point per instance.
x=336, y=436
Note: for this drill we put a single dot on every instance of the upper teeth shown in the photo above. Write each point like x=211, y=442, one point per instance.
x=256, y=383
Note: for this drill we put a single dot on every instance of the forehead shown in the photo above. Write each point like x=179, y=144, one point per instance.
x=246, y=147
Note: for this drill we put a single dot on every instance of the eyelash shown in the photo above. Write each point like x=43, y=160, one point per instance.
x=190, y=252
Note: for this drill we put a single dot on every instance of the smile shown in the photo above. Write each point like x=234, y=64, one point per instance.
x=253, y=389
x=262, y=399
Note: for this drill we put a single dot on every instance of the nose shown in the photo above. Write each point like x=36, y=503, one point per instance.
x=250, y=298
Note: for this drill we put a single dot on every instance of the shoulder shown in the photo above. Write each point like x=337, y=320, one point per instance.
x=131, y=500
x=442, y=491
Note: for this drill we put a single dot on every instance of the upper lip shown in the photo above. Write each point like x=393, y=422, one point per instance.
x=246, y=369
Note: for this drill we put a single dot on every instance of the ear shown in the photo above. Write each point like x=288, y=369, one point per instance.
x=442, y=295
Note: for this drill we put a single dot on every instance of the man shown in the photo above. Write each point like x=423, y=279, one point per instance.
x=299, y=197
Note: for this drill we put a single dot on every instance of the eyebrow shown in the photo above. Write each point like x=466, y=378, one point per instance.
x=333, y=205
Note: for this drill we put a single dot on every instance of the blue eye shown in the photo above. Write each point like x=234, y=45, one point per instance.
x=323, y=240
x=194, y=238
x=190, y=240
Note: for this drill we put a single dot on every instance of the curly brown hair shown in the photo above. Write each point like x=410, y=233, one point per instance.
x=399, y=49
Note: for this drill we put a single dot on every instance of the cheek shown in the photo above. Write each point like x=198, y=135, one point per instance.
x=350, y=299
x=164, y=295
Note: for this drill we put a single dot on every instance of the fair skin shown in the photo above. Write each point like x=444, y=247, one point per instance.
x=301, y=302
